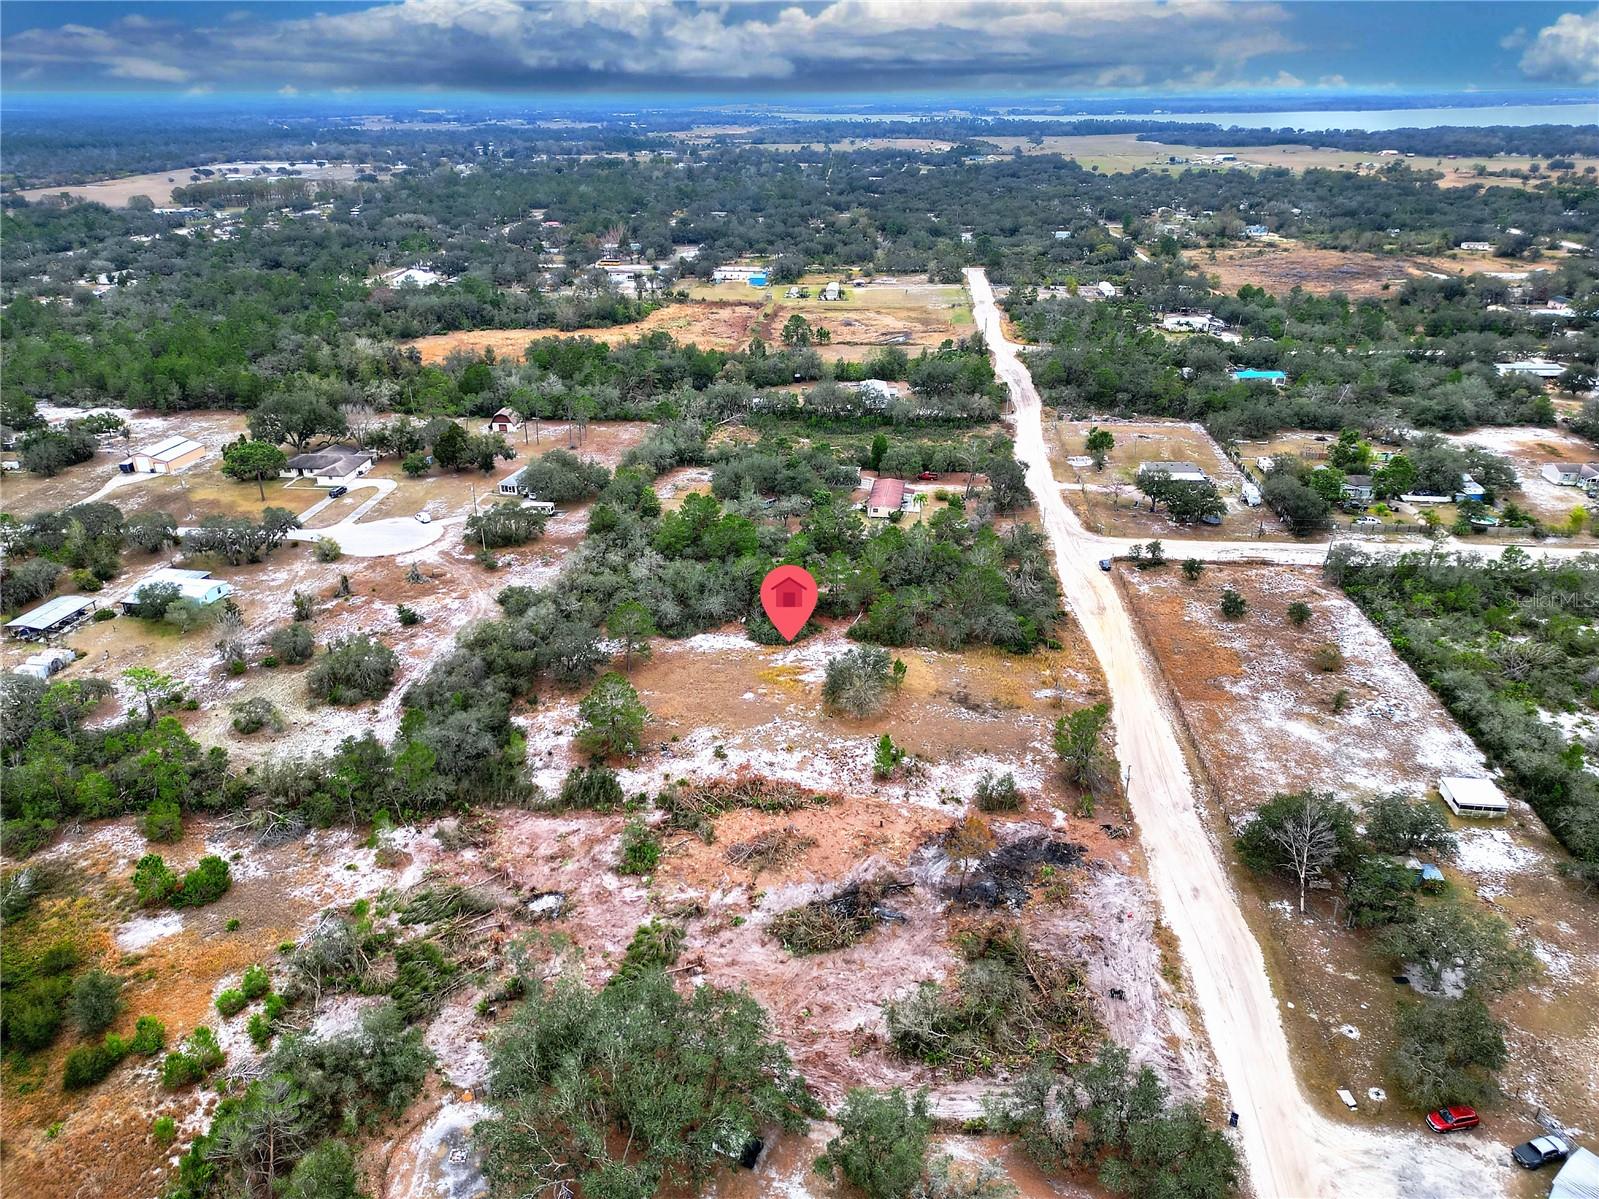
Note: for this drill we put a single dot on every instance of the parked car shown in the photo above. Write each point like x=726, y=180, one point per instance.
x=422, y=518
x=1104, y=564
x=1210, y=519
x=337, y=492
x=1540, y=1151
x=1452, y=1119
x=1366, y=522
x=927, y=474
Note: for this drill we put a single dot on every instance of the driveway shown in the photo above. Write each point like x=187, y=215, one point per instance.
x=1289, y=1149
x=373, y=538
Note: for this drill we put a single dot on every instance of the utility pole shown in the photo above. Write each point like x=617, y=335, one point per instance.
x=482, y=532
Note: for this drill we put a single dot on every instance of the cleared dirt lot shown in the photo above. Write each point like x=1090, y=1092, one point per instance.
x=159, y=185
x=720, y=325
x=1531, y=449
x=1280, y=266
x=720, y=705
x=1108, y=502
x=1259, y=713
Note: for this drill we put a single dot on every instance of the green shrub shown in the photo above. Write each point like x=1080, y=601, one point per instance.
x=860, y=681
x=163, y=820
x=88, y=1064
x=998, y=794
x=613, y=718
x=152, y=881
x=712, y=1052
x=164, y=1129
x=206, y=883
x=882, y=1140
x=354, y=668
x=256, y=713
x=328, y=550
x=149, y=1037
x=199, y=1055
x=104, y=614
x=641, y=849
x=655, y=946
x=34, y=1012
x=407, y=616
x=592, y=788
x=293, y=643
x=256, y=982
x=231, y=1002
x=96, y=1000
x=260, y=1030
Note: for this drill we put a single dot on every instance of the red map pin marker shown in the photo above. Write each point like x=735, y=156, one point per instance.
x=788, y=594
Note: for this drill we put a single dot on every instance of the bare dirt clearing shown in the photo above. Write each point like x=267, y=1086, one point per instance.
x=722, y=325
x=1531, y=449
x=159, y=185
x=1109, y=503
x=1280, y=266
x=1249, y=694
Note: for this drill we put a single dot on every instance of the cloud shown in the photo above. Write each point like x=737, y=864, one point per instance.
x=1565, y=52
x=644, y=44
x=288, y=89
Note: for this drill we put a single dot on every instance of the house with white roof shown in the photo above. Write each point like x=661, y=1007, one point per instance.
x=196, y=585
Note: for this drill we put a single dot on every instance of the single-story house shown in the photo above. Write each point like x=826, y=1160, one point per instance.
x=1275, y=378
x=875, y=394
x=1181, y=472
x=1571, y=474
x=512, y=483
x=506, y=420
x=1562, y=474
x=1416, y=497
x=887, y=498
x=414, y=276
x=164, y=457
x=736, y=274
x=1357, y=487
x=1473, y=796
x=1470, y=489
x=335, y=466
x=1477, y=247
x=52, y=616
x=1540, y=367
x=1196, y=322
x=1106, y=289
x=1256, y=231
x=1063, y=235
x=196, y=585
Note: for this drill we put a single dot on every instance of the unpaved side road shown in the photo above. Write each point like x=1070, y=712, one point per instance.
x=1290, y=1150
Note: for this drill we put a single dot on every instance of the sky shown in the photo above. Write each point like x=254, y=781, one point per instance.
x=813, y=48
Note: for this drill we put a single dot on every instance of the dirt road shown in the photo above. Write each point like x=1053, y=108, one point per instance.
x=1290, y=1150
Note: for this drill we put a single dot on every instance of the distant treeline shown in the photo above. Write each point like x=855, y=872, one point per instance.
x=1545, y=141
x=1537, y=140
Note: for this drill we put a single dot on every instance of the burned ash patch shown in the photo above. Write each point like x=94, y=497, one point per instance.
x=1003, y=878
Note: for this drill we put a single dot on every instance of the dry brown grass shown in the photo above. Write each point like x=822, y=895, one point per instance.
x=723, y=325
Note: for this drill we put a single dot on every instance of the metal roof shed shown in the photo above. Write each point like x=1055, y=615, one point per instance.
x=49, y=615
x=1473, y=797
